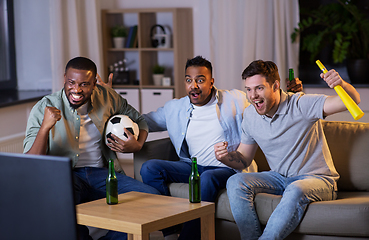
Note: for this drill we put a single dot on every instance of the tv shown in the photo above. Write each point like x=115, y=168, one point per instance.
x=37, y=197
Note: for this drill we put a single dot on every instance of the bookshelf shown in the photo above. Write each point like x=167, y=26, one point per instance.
x=141, y=58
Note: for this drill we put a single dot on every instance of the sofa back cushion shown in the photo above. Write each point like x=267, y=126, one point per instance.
x=349, y=146
x=157, y=149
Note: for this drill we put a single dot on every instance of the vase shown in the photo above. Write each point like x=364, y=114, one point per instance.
x=358, y=71
x=157, y=79
x=119, y=42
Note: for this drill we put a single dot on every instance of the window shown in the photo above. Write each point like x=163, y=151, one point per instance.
x=8, y=78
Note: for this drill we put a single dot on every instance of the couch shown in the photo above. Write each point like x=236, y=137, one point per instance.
x=344, y=218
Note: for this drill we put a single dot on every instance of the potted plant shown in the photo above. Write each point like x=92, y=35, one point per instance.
x=119, y=34
x=158, y=74
x=344, y=27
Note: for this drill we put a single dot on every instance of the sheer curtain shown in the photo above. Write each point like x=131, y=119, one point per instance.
x=75, y=28
x=245, y=30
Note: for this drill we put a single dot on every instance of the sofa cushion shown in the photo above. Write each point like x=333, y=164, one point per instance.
x=348, y=142
x=222, y=207
x=346, y=216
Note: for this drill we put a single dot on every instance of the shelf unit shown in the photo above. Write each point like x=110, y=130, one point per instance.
x=140, y=60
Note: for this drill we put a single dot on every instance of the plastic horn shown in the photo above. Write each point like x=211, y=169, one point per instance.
x=346, y=99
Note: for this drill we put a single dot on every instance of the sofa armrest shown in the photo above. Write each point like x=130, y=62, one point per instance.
x=157, y=149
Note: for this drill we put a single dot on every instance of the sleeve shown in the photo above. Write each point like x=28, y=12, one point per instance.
x=33, y=125
x=246, y=138
x=311, y=105
x=156, y=120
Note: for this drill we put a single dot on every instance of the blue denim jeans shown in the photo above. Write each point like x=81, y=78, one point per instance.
x=297, y=193
x=89, y=185
x=158, y=173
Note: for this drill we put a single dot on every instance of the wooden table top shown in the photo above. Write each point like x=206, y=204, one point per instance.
x=139, y=213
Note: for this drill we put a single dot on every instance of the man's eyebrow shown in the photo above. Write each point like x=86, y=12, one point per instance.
x=197, y=76
x=260, y=85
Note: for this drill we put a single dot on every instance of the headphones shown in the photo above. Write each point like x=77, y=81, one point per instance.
x=156, y=41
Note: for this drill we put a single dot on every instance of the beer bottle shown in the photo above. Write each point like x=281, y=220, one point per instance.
x=111, y=185
x=194, y=183
x=291, y=74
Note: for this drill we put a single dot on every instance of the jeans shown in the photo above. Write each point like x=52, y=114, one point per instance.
x=158, y=173
x=89, y=185
x=297, y=193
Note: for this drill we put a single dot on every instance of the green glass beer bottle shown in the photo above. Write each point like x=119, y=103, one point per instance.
x=291, y=74
x=111, y=185
x=194, y=183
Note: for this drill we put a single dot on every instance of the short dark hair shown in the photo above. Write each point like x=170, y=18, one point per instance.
x=266, y=68
x=82, y=63
x=199, y=61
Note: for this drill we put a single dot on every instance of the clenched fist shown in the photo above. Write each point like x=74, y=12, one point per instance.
x=51, y=116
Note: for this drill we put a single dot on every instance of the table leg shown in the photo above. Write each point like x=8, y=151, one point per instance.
x=208, y=227
x=138, y=237
x=129, y=236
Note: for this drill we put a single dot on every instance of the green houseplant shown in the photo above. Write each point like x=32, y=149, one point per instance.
x=158, y=69
x=119, y=34
x=341, y=25
x=158, y=74
x=119, y=31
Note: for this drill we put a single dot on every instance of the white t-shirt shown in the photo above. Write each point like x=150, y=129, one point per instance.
x=204, y=130
x=89, y=141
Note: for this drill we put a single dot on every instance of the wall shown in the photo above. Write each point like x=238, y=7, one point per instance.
x=13, y=126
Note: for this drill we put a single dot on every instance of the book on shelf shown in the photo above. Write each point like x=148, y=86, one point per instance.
x=128, y=40
x=132, y=35
x=135, y=43
x=133, y=38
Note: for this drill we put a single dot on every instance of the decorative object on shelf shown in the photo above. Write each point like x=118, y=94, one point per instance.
x=159, y=40
x=165, y=81
x=158, y=74
x=120, y=73
x=119, y=34
x=343, y=27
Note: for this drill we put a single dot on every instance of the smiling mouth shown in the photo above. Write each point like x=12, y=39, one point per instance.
x=76, y=97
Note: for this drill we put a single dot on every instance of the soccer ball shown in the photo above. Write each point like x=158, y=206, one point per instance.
x=116, y=125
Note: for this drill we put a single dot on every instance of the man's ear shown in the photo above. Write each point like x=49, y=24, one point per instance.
x=275, y=85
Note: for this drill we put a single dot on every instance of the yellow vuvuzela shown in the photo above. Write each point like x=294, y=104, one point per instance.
x=346, y=99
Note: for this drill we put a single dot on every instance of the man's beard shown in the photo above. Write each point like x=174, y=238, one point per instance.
x=75, y=106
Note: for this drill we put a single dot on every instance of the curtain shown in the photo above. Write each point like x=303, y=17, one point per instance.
x=242, y=31
x=75, y=31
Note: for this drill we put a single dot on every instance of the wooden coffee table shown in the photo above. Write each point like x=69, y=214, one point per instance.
x=138, y=214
